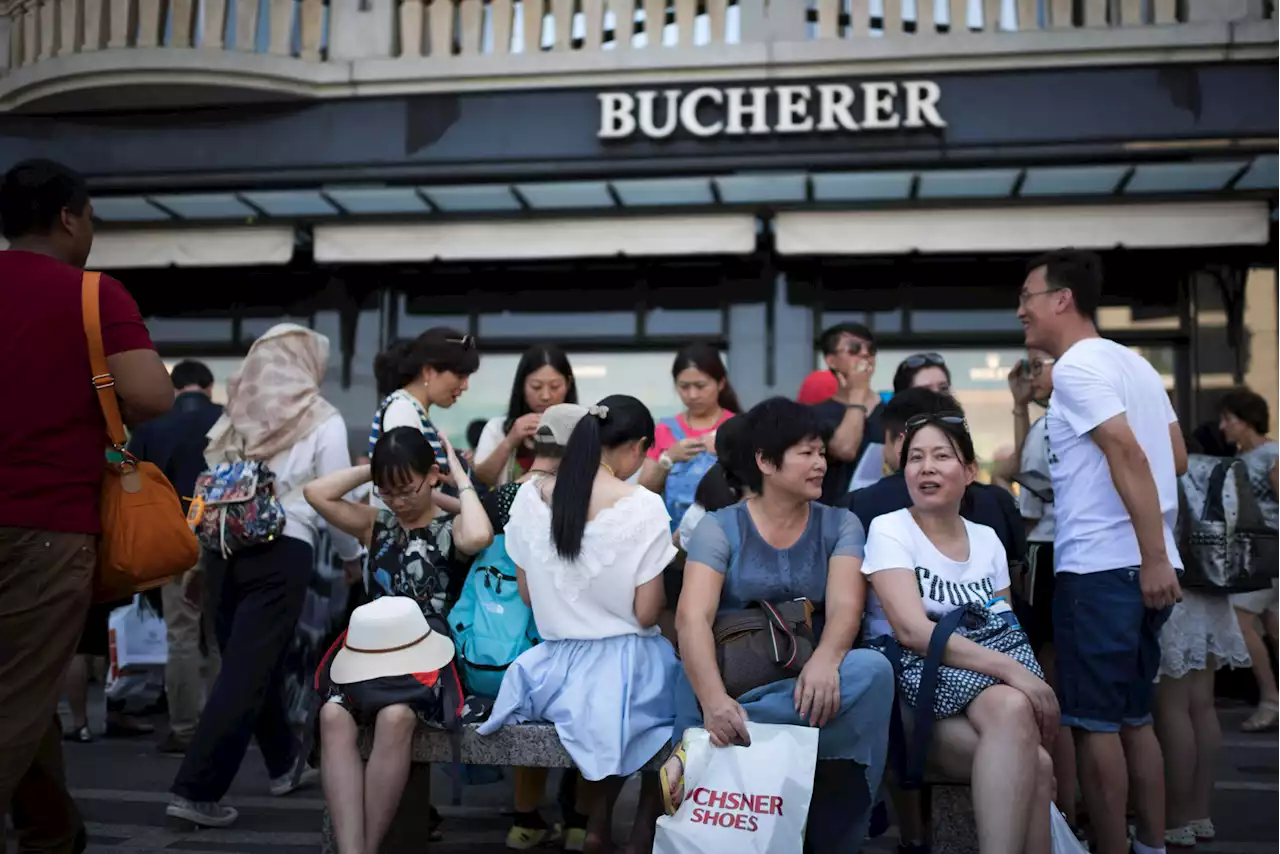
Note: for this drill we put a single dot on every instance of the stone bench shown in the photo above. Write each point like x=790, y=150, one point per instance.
x=522, y=745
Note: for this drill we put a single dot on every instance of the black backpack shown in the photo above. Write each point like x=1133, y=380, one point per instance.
x=1225, y=542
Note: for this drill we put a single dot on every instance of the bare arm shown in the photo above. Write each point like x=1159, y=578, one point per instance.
x=327, y=495
x=651, y=598
x=522, y=584
x=1179, y=449
x=1131, y=474
x=142, y=384
x=846, y=441
x=695, y=615
x=472, y=530
x=489, y=469
x=846, y=600
x=653, y=477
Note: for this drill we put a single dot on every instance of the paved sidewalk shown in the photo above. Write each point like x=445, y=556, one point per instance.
x=122, y=787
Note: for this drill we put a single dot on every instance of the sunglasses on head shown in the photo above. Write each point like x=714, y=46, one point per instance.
x=466, y=342
x=921, y=360
x=954, y=419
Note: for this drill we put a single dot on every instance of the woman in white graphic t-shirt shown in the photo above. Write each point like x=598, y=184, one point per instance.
x=927, y=560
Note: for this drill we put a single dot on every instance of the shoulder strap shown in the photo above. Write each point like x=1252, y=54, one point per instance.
x=918, y=749
x=677, y=431
x=103, y=382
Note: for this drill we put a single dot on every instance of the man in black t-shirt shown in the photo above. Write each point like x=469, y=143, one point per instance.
x=853, y=414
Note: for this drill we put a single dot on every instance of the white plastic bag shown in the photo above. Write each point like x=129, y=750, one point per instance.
x=1064, y=838
x=744, y=800
x=137, y=635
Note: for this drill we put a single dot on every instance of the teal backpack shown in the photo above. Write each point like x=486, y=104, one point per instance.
x=491, y=624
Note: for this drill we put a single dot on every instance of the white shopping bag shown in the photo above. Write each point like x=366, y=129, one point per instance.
x=137, y=637
x=744, y=800
x=1064, y=838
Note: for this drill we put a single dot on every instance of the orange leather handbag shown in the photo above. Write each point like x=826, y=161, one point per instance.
x=145, y=537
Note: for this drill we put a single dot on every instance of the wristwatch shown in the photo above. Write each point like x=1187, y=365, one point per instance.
x=665, y=462
x=856, y=406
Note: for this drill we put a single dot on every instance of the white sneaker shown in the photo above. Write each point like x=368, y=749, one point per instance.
x=284, y=785
x=202, y=813
x=1180, y=837
x=1203, y=829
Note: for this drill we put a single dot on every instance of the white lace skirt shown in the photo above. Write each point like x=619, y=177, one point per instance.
x=1201, y=625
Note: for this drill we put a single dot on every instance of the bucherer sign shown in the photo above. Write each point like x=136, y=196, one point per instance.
x=711, y=111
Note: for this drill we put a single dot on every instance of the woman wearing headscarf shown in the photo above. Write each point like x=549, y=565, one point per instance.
x=274, y=414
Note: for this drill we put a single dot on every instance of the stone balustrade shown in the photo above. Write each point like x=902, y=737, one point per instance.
x=60, y=45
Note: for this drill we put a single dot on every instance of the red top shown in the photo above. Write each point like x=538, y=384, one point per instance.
x=52, y=435
x=663, y=438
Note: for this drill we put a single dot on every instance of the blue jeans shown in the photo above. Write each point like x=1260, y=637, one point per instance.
x=1108, y=650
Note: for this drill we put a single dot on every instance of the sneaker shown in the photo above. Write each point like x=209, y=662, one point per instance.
x=575, y=839
x=285, y=785
x=173, y=745
x=1180, y=837
x=202, y=813
x=1203, y=829
x=524, y=838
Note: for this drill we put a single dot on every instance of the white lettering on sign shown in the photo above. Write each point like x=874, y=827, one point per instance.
x=758, y=110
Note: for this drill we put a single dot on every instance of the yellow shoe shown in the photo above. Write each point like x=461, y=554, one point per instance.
x=524, y=838
x=575, y=839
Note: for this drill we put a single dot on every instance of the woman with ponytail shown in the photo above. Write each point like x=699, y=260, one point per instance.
x=684, y=447
x=589, y=550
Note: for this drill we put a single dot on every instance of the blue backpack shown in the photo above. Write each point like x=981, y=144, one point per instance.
x=491, y=624
x=683, y=479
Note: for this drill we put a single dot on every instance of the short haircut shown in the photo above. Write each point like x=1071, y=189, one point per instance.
x=1075, y=270
x=907, y=404
x=829, y=340
x=33, y=195
x=1249, y=406
x=191, y=373
x=474, y=431
x=775, y=426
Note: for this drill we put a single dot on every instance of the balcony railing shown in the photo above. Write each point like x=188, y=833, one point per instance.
x=42, y=40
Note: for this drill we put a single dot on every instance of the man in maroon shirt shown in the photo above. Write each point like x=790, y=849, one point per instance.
x=52, y=439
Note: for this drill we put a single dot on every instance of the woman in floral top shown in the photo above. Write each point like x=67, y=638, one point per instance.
x=415, y=553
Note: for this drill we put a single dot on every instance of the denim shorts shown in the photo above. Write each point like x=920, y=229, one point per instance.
x=1108, y=649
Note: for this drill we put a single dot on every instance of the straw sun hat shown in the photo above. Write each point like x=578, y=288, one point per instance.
x=389, y=637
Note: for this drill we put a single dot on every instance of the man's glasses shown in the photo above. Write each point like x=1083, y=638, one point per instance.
x=399, y=494
x=1025, y=296
x=954, y=419
x=923, y=360
x=857, y=348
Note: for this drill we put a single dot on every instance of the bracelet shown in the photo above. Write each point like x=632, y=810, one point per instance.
x=857, y=406
x=462, y=489
x=1023, y=413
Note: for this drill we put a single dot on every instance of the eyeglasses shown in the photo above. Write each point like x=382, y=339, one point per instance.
x=399, y=494
x=921, y=360
x=857, y=348
x=1025, y=296
x=955, y=419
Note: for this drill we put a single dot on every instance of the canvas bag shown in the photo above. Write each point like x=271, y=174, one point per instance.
x=491, y=624
x=683, y=478
x=745, y=800
x=145, y=539
x=1222, y=535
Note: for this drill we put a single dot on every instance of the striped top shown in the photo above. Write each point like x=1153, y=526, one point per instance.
x=401, y=409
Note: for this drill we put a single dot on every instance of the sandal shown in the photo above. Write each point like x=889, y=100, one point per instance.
x=82, y=735
x=1264, y=718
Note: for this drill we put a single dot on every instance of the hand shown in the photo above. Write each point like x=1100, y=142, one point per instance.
x=726, y=722
x=353, y=571
x=686, y=449
x=1020, y=385
x=1159, y=580
x=193, y=588
x=524, y=427
x=1044, y=703
x=467, y=456
x=817, y=695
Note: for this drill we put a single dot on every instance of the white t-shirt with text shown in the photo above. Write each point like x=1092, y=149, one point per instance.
x=895, y=541
x=1094, y=381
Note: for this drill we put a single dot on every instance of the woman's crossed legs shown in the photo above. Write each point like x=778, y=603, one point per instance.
x=363, y=798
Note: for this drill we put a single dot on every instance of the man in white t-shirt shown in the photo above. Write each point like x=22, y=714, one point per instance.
x=1115, y=451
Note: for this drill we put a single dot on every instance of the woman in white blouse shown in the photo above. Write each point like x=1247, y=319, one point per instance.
x=589, y=550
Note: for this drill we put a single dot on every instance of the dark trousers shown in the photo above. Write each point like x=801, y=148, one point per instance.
x=260, y=593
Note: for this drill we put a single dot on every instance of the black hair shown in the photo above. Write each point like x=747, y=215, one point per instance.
x=1077, y=271
x=1209, y=439
x=954, y=428
x=716, y=491
x=905, y=405
x=400, y=454
x=474, y=430
x=626, y=420
x=33, y=195
x=440, y=348
x=905, y=375
x=1249, y=406
x=189, y=373
x=706, y=358
x=733, y=452
x=533, y=359
x=773, y=427
x=829, y=340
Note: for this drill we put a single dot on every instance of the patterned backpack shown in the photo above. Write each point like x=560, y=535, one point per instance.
x=1223, y=538
x=235, y=506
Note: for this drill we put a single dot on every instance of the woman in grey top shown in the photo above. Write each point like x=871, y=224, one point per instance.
x=779, y=545
x=1244, y=419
